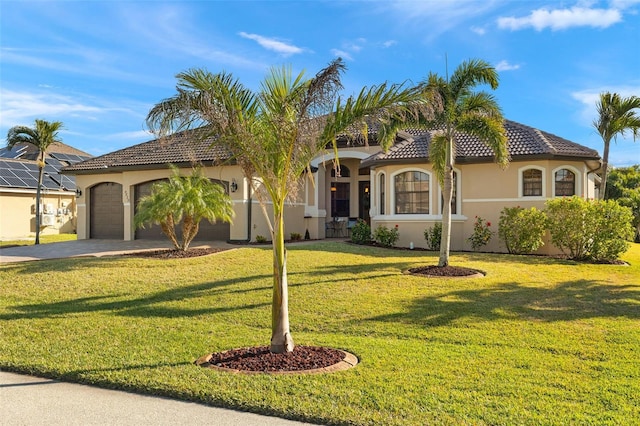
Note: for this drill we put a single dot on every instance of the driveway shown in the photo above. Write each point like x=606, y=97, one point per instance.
x=94, y=248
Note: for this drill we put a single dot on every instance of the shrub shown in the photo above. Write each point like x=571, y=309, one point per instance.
x=481, y=234
x=588, y=229
x=433, y=236
x=361, y=232
x=295, y=236
x=260, y=239
x=386, y=237
x=522, y=229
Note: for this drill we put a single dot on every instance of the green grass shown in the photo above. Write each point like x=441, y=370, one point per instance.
x=44, y=239
x=536, y=341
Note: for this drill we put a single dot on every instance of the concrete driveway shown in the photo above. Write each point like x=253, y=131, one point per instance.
x=95, y=248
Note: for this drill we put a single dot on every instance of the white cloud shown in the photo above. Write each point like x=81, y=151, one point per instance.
x=504, y=65
x=273, y=44
x=588, y=99
x=479, y=30
x=560, y=19
x=342, y=54
x=389, y=43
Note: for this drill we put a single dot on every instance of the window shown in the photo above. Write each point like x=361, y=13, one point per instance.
x=532, y=183
x=382, y=191
x=340, y=199
x=565, y=181
x=343, y=171
x=412, y=193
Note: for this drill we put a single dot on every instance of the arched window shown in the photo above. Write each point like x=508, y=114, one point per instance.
x=565, y=183
x=382, y=193
x=532, y=183
x=412, y=193
x=343, y=172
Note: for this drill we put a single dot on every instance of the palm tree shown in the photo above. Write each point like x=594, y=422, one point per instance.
x=184, y=198
x=42, y=136
x=616, y=116
x=274, y=134
x=463, y=111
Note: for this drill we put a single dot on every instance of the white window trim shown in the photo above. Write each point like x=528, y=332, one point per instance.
x=458, y=192
x=577, y=181
x=391, y=189
x=521, y=170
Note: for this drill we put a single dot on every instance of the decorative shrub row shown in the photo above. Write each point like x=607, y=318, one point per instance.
x=582, y=229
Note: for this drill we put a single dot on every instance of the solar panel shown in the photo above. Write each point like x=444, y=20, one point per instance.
x=15, y=182
x=3, y=182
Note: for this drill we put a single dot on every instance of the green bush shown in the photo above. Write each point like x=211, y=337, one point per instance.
x=481, y=234
x=361, y=232
x=260, y=239
x=433, y=236
x=589, y=229
x=522, y=229
x=295, y=236
x=386, y=237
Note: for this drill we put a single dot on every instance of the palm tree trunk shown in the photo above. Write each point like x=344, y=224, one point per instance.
x=168, y=227
x=38, y=190
x=605, y=169
x=281, y=340
x=447, y=195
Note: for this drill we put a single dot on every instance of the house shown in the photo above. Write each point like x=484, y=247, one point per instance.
x=396, y=188
x=18, y=184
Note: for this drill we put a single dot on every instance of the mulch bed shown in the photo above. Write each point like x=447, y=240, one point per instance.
x=260, y=359
x=445, y=271
x=176, y=254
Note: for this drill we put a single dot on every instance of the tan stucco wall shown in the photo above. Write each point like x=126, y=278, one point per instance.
x=483, y=191
x=18, y=219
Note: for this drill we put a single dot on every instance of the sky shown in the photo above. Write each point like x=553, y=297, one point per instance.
x=100, y=66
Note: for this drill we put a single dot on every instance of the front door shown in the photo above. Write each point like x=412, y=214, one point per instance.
x=364, y=201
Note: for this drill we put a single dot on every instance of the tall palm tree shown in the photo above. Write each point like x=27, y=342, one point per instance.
x=274, y=134
x=184, y=198
x=463, y=111
x=616, y=116
x=42, y=136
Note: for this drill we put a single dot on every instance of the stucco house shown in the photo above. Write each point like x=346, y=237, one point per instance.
x=18, y=184
x=393, y=188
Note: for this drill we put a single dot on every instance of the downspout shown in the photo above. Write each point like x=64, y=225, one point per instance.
x=249, y=210
x=589, y=171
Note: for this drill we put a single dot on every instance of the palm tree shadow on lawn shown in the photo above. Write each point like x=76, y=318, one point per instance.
x=571, y=300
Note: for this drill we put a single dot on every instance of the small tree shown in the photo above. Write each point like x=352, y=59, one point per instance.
x=184, y=198
x=623, y=185
x=433, y=236
x=42, y=136
x=616, y=116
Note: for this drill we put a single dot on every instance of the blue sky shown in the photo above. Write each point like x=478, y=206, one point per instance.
x=99, y=66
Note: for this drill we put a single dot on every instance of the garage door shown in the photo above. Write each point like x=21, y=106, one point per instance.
x=220, y=231
x=106, y=211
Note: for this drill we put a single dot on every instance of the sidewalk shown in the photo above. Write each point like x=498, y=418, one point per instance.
x=26, y=400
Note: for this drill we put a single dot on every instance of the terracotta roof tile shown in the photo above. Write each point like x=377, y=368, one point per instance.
x=522, y=141
x=176, y=149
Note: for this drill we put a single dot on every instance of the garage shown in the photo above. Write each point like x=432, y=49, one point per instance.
x=106, y=211
x=220, y=231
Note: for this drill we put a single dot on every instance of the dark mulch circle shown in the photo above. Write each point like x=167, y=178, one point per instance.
x=176, y=254
x=446, y=271
x=260, y=359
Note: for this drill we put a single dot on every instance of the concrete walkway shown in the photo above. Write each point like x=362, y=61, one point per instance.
x=26, y=400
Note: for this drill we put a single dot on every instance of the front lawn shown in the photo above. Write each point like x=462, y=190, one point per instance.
x=536, y=341
x=44, y=239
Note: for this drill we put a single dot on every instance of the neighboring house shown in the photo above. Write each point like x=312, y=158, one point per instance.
x=18, y=184
x=393, y=188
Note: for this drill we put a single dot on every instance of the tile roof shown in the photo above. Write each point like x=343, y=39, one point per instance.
x=523, y=141
x=180, y=148
x=412, y=145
